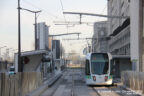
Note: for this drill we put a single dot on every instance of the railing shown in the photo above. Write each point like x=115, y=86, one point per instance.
x=19, y=84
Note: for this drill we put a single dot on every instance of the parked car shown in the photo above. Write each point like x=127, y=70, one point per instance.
x=12, y=70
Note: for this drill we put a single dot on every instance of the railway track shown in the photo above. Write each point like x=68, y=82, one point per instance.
x=113, y=91
x=72, y=84
x=72, y=90
x=63, y=81
x=96, y=91
x=104, y=91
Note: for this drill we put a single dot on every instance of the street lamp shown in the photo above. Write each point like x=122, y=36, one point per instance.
x=20, y=66
x=35, y=12
x=19, y=40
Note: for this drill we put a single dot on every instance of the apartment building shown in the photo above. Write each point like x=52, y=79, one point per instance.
x=119, y=28
x=137, y=34
x=42, y=36
x=100, y=40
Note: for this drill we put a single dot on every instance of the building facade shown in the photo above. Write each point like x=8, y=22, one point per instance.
x=42, y=36
x=56, y=49
x=119, y=28
x=137, y=34
x=100, y=41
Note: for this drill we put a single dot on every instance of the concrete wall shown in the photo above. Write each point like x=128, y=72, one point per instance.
x=134, y=28
x=142, y=35
x=19, y=84
x=133, y=80
x=34, y=62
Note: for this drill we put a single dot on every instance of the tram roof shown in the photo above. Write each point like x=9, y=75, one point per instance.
x=88, y=56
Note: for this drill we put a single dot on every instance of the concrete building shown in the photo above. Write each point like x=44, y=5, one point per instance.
x=100, y=41
x=42, y=36
x=127, y=34
x=50, y=43
x=119, y=32
x=119, y=28
x=137, y=34
x=56, y=49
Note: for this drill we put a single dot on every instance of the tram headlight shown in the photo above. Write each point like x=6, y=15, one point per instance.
x=106, y=78
x=94, y=78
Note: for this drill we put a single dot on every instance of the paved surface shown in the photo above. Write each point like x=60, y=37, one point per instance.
x=72, y=84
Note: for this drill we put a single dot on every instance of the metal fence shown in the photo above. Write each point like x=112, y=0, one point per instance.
x=19, y=84
x=133, y=80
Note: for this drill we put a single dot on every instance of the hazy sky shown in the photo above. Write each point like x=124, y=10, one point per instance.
x=51, y=11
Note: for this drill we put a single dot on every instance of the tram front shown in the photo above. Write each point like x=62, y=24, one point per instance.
x=99, y=69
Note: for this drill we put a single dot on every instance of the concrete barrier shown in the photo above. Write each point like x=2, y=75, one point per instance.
x=47, y=84
x=133, y=80
x=19, y=84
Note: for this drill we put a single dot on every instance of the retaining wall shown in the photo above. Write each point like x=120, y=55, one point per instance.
x=19, y=84
x=133, y=80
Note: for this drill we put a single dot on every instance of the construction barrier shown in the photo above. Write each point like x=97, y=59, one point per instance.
x=19, y=84
x=133, y=80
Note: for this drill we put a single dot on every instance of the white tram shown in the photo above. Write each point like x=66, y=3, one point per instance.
x=98, y=69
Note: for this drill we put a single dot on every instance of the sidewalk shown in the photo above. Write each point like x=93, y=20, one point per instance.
x=47, y=83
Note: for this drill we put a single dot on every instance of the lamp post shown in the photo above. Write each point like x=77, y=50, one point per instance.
x=20, y=66
x=19, y=40
x=35, y=12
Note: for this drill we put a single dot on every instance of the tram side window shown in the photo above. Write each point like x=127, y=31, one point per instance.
x=87, y=68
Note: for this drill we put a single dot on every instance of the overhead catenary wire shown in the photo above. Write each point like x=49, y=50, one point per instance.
x=35, y=6
x=97, y=41
x=63, y=14
x=102, y=12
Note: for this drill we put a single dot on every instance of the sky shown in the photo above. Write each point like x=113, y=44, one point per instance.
x=51, y=11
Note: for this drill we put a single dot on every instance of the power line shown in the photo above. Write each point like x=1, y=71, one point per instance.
x=62, y=5
x=64, y=34
x=102, y=12
x=34, y=6
x=63, y=14
x=99, y=15
x=104, y=9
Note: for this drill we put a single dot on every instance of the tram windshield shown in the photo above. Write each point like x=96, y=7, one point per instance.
x=99, y=63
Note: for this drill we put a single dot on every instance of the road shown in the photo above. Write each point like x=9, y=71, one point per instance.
x=72, y=84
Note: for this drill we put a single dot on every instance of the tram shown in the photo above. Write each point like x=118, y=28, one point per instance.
x=98, y=69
